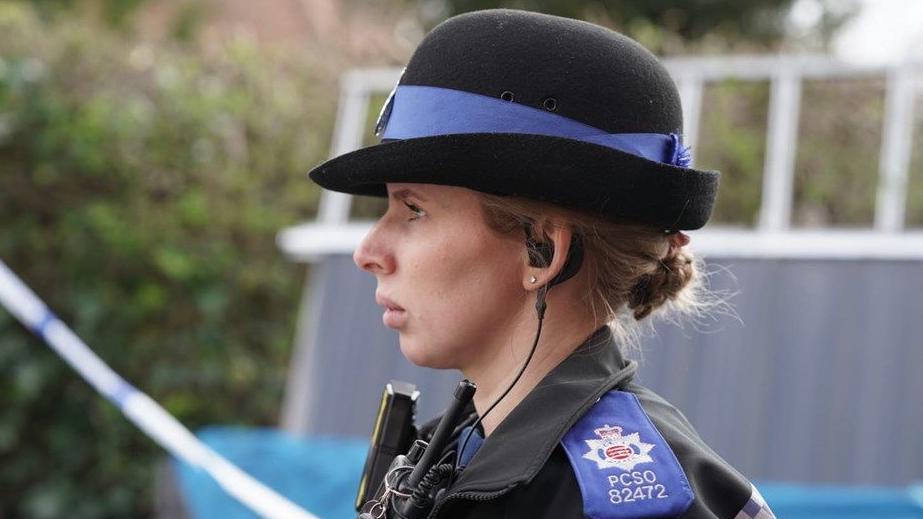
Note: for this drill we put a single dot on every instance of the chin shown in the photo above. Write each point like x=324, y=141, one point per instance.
x=418, y=355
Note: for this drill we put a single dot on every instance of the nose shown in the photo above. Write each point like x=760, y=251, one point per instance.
x=373, y=254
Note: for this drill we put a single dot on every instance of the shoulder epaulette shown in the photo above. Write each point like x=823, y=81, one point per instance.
x=624, y=467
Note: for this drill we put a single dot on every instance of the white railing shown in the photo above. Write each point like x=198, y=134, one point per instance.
x=773, y=236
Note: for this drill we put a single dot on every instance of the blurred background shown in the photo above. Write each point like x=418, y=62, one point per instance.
x=152, y=190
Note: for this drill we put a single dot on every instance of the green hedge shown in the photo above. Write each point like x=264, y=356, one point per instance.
x=141, y=190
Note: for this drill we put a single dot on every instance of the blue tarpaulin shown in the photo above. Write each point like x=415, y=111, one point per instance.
x=321, y=475
x=843, y=502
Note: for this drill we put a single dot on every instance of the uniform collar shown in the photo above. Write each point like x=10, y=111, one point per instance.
x=523, y=442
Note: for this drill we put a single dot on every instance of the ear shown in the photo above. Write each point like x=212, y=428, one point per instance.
x=557, y=237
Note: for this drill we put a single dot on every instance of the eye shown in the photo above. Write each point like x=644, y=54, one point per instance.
x=417, y=212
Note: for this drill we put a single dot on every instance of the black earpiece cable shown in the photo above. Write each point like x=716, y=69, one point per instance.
x=543, y=254
x=540, y=307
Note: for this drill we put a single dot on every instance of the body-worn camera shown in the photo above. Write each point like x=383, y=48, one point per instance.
x=406, y=486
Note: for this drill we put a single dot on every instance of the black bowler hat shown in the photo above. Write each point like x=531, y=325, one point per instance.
x=548, y=108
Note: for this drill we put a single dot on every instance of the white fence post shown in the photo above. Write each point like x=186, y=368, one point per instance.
x=690, y=91
x=894, y=161
x=351, y=115
x=781, y=138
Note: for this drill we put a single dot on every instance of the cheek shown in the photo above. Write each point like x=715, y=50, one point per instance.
x=464, y=301
x=474, y=277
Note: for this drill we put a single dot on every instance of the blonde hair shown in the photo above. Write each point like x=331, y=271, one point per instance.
x=631, y=270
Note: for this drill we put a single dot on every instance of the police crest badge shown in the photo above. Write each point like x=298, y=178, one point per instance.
x=612, y=449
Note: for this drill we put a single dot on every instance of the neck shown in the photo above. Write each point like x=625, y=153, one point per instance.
x=562, y=332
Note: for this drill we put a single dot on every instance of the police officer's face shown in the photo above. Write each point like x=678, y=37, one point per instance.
x=454, y=285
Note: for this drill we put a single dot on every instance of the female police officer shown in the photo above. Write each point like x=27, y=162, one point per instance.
x=534, y=163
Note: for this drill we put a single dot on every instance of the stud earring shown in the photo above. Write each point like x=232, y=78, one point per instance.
x=532, y=279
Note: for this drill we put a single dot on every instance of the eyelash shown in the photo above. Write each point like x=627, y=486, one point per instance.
x=418, y=213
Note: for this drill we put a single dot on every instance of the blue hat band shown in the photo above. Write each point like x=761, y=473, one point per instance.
x=414, y=111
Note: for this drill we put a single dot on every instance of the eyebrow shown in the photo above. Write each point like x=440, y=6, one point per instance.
x=405, y=192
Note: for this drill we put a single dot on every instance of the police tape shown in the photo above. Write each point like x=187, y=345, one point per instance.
x=139, y=408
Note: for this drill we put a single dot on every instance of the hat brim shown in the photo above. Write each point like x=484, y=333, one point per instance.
x=575, y=174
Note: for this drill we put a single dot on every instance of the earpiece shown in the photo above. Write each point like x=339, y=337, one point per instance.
x=541, y=254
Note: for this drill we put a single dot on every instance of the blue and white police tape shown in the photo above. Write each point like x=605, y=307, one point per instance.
x=152, y=419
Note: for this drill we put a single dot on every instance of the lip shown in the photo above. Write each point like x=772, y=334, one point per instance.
x=387, y=302
x=395, y=316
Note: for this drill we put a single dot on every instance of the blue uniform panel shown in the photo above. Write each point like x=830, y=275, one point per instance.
x=623, y=465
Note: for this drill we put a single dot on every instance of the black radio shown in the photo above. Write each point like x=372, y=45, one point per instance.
x=392, y=435
x=407, y=485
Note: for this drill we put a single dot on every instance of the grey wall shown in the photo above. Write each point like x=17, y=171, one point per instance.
x=820, y=379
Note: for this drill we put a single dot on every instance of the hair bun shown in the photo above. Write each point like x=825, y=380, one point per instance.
x=673, y=273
